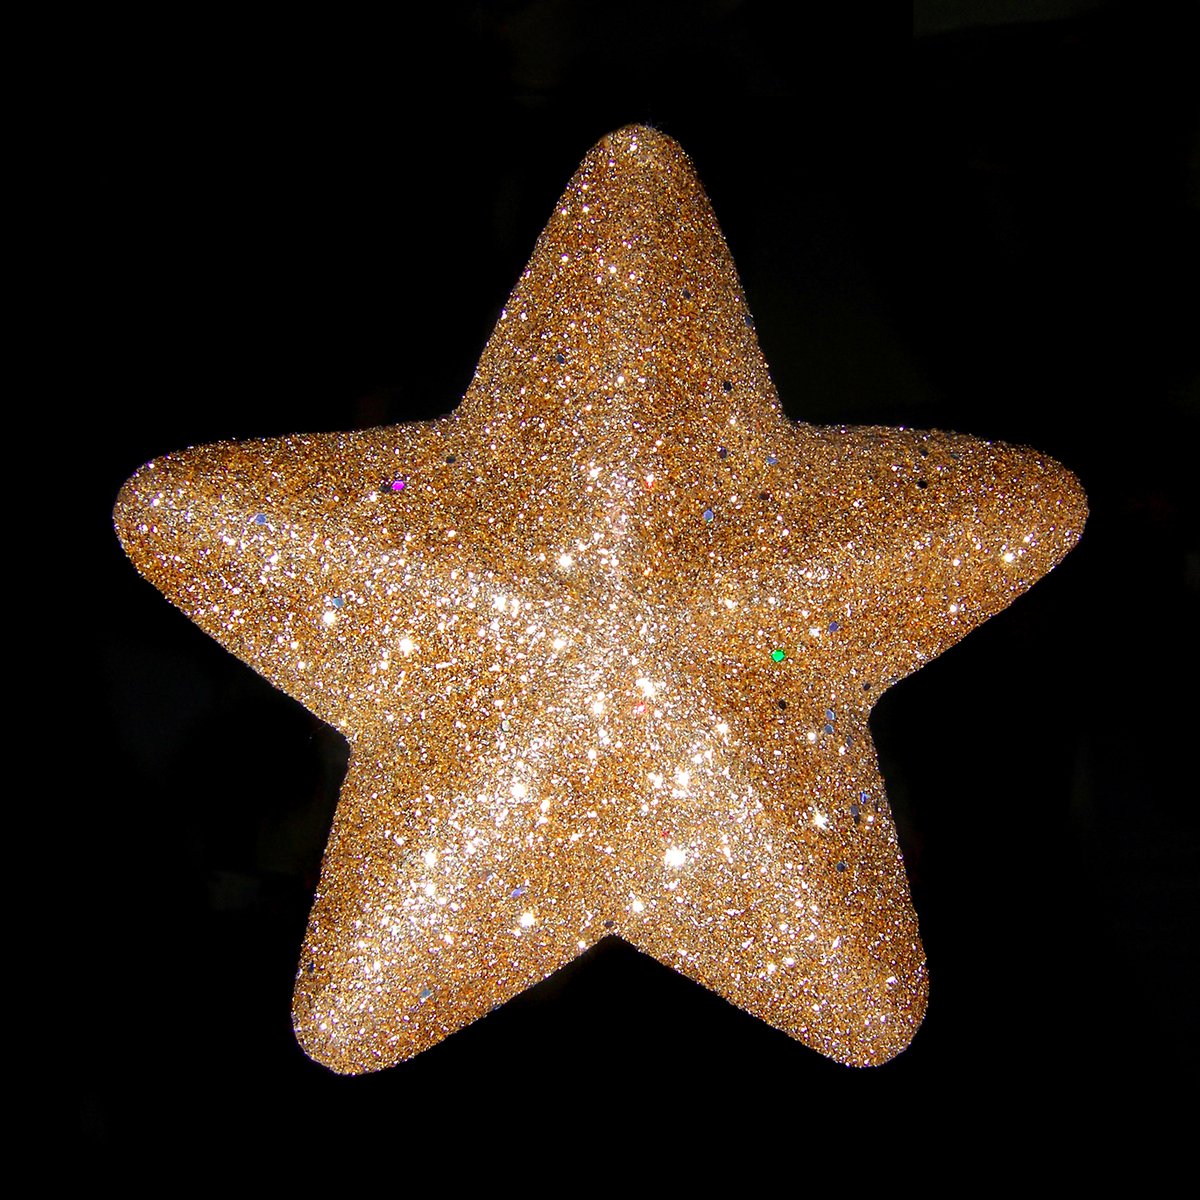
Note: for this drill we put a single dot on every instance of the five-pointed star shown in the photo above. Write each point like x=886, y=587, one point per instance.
x=604, y=642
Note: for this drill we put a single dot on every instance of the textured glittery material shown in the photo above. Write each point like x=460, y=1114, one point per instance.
x=604, y=642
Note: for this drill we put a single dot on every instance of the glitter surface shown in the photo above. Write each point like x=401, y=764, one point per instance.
x=563, y=693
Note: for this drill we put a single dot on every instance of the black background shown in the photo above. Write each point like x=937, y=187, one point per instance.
x=281, y=226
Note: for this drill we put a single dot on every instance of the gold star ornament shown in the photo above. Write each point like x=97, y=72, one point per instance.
x=604, y=642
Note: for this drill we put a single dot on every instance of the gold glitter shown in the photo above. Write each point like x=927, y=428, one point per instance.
x=604, y=642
